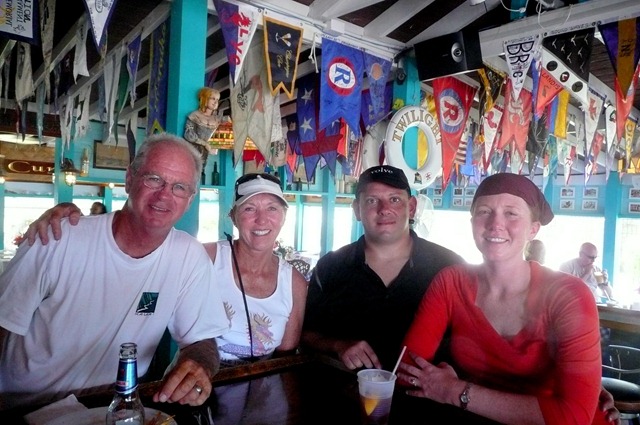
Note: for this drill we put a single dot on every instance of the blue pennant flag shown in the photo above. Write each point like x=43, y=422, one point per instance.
x=378, y=70
x=306, y=108
x=371, y=116
x=341, y=84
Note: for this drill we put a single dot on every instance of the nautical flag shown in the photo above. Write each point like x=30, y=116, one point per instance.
x=306, y=108
x=132, y=126
x=80, y=59
x=622, y=40
x=100, y=12
x=82, y=111
x=548, y=89
x=111, y=80
x=66, y=114
x=592, y=113
x=158, y=80
x=340, y=84
x=610, y=135
x=238, y=23
x=492, y=82
x=453, y=103
x=561, y=104
x=47, y=20
x=282, y=45
x=380, y=91
x=24, y=73
x=133, y=58
x=591, y=163
x=567, y=57
x=252, y=102
x=566, y=154
x=40, y=110
x=369, y=114
x=519, y=53
x=516, y=120
x=20, y=20
x=624, y=103
x=630, y=129
x=537, y=141
x=491, y=124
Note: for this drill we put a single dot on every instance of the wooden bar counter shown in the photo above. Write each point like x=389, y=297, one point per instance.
x=619, y=318
x=296, y=390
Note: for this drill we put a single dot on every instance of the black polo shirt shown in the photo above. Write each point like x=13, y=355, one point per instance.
x=348, y=300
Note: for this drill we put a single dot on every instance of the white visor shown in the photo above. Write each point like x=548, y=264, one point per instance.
x=257, y=186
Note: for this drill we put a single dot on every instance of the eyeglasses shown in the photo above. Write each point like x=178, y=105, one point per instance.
x=153, y=182
x=591, y=257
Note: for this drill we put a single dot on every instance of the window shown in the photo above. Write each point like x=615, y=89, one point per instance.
x=19, y=212
x=627, y=268
x=343, y=217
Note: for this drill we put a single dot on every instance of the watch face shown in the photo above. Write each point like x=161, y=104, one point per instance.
x=464, y=398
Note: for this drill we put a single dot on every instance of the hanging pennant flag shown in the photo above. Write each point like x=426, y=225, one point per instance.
x=65, y=74
x=492, y=82
x=238, y=23
x=591, y=162
x=133, y=58
x=24, y=73
x=20, y=20
x=592, y=113
x=516, y=120
x=629, y=130
x=132, y=127
x=453, y=103
x=519, y=53
x=100, y=12
x=552, y=168
x=80, y=59
x=66, y=113
x=537, y=142
x=610, y=137
x=278, y=143
x=111, y=80
x=158, y=80
x=47, y=20
x=282, y=45
x=380, y=91
x=340, y=84
x=561, y=105
x=306, y=108
x=491, y=124
x=369, y=115
x=252, y=102
x=624, y=103
x=548, y=89
x=566, y=153
x=567, y=57
x=82, y=111
x=622, y=40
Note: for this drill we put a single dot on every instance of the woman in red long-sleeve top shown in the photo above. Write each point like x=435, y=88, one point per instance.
x=524, y=340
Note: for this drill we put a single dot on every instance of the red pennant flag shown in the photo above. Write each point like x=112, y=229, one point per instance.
x=624, y=104
x=516, y=120
x=548, y=88
x=453, y=103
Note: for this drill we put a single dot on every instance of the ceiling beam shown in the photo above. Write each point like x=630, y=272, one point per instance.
x=394, y=16
x=331, y=9
x=457, y=19
x=566, y=19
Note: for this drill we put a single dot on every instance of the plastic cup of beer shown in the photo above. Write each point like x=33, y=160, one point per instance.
x=599, y=277
x=376, y=392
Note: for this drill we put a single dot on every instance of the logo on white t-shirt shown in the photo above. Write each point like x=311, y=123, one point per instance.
x=147, y=304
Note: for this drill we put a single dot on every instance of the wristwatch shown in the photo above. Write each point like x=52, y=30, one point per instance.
x=464, y=396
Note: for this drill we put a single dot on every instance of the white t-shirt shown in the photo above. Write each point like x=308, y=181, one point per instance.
x=70, y=304
x=269, y=316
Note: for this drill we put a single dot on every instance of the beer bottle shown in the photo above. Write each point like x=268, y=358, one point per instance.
x=126, y=407
x=215, y=175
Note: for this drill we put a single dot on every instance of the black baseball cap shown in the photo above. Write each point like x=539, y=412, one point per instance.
x=385, y=174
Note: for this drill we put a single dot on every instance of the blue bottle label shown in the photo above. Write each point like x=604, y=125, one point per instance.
x=127, y=376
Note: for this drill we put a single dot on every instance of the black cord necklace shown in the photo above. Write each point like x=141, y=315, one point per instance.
x=244, y=296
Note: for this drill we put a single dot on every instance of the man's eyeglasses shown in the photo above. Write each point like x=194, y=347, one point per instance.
x=591, y=257
x=153, y=182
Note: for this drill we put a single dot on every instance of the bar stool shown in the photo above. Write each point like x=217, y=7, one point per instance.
x=626, y=394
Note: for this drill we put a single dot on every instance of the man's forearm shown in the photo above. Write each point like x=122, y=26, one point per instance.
x=203, y=352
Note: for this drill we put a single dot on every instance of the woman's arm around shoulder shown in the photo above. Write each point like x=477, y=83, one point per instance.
x=291, y=337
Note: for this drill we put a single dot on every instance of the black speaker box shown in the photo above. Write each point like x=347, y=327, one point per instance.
x=449, y=54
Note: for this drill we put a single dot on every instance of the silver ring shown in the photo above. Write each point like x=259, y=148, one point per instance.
x=198, y=389
x=413, y=382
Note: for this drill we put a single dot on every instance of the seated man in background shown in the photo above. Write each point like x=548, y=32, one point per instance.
x=64, y=314
x=584, y=267
x=362, y=297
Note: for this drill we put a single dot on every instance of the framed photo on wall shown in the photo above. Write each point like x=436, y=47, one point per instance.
x=437, y=202
x=590, y=192
x=589, y=205
x=458, y=191
x=470, y=191
x=634, y=207
x=634, y=193
x=110, y=156
x=567, y=192
x=437, y=191
x=567, y=204
x=457, y=202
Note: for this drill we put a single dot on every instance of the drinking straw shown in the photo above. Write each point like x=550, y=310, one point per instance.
x=393, y=372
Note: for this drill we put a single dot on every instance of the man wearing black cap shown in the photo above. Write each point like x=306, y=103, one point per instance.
x=362, y=297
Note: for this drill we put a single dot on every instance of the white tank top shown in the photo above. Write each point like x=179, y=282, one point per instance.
x=269, y=316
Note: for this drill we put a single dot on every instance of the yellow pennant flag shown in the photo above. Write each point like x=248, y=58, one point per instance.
x=560, y=129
